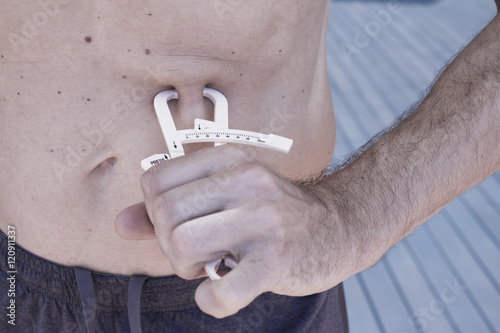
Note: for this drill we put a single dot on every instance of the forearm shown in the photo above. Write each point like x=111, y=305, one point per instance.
x=447, y=145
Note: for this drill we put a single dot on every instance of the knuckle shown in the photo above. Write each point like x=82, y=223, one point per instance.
x=181, y=269
x=183, y=254
x=184, y=242
x=219, y=301
x=232, y=150
x=148, y=182
x=162, y=210
x=236, y=153
x=261, y=178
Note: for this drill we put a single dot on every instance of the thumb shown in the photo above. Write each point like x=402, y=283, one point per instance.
x=236, y=290
x=133, y=223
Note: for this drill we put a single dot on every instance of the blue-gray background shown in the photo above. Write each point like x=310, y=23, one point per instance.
x=444, y=277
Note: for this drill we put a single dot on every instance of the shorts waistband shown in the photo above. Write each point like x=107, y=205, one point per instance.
x=169, y=293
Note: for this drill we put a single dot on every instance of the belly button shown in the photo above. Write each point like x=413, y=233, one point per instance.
x=104, y=168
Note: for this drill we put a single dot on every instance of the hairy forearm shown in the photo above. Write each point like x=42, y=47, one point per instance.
x=448, y=144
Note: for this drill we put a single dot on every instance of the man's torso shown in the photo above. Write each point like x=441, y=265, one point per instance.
x=76, y=90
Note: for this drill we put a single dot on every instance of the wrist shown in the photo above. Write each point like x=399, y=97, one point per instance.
x=363, y=230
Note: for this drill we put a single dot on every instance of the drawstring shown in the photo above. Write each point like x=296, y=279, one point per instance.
x=134, y=302
x=89, y=303
x=87, y=293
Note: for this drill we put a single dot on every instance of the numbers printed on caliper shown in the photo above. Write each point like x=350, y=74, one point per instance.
x=153, y=160
x=218, y=135
x=269, y=141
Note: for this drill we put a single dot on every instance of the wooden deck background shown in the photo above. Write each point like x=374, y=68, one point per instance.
x=444, y=277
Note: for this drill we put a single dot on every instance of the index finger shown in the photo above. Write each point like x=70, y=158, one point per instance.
x=201, y=164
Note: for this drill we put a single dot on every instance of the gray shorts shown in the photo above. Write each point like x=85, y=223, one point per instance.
x=42, y=296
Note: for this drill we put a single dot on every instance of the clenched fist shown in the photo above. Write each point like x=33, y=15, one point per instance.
x=219, y=201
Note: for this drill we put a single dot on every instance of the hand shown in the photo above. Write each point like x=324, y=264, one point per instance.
x=219, y=201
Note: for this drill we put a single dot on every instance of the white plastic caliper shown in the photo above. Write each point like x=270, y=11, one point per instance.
x=216, y=131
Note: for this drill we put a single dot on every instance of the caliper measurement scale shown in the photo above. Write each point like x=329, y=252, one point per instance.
x=216, y=131
x=237, y=136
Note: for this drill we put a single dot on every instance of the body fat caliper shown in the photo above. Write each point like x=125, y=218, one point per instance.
x=216, y=131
